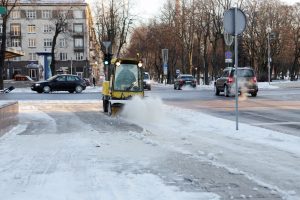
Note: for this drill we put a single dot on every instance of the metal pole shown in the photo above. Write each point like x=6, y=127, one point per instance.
x=269, y=65
x=236, y=73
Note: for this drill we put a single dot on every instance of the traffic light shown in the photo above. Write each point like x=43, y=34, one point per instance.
x=107, y=58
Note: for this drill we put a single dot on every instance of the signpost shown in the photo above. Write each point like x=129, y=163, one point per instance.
x=235, y=24
x=165, y=56
x=2, y=10
x=165, y=60
x=228, y=57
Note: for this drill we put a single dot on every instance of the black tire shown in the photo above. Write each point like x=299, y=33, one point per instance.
x=226, y=91
x=217, y=91
x=254, y=94
x=105, y=106
x=39, y=91
x=46, y=89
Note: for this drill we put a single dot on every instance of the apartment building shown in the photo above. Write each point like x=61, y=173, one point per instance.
x=31, y=27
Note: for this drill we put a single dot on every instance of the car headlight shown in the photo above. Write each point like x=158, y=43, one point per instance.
x=37, y=84
x=148, y=81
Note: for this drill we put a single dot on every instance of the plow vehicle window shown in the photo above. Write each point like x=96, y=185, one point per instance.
x=126, y=78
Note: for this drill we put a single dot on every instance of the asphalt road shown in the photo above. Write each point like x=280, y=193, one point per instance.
x=275, y=109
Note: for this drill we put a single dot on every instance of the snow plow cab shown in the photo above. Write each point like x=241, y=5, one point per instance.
x=124, y=80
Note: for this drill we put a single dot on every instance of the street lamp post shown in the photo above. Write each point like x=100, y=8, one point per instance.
x=269, y=52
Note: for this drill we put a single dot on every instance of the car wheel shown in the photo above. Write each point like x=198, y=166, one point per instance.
x=217, y=91
x=46, y=89
x=254, y=94
x=39, y=91
x=109, y=109
x=226, y=91
x=78, y=89
x=105, y=106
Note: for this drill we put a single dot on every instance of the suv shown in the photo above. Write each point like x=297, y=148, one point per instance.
x=147, y=81
x=247, y=82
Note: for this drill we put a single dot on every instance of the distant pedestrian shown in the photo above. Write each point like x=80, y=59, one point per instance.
x=94, y=81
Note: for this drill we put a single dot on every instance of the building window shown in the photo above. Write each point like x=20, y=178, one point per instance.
x=63, y=13
x=78, y=28
x=63, y=56
x=16, y=42
x=31, y=14
x=78, y=14
x=47, y=28
x=78, y=42
x=32, y=56
x=16, y=59
x=62, y=42
x=15, y=14
x=46, y=14
x=31, y=28
x=79, y=56
x=15, y=29
x=31, y=43
x=47, y=42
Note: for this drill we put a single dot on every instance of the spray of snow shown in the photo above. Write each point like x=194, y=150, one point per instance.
x=148, y=109
x=187, y=87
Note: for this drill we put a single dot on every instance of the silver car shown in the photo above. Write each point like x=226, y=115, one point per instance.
x=247, y=82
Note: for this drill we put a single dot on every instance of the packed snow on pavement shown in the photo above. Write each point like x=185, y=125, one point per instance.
x=81, y=162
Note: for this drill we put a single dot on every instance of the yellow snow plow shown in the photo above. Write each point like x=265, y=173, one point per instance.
x=124, y=80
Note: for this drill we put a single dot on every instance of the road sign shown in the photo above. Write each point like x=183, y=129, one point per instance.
x=235, y=24
x=2, y=10
x=228, y=55
x=228, y=60
x=164, y=53
x=234, y=21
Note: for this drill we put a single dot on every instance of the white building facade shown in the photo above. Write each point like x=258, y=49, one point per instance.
x=31, y=27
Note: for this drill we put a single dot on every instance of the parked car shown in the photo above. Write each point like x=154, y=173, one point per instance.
x=61, y=82
x=246, y=78
x=147, y=81
x=184, y=80
x=21, y=77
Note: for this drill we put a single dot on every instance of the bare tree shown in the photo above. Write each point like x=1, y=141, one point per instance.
x=295, y=27
x=113, y=23
x=9, y=5
x=60, y=23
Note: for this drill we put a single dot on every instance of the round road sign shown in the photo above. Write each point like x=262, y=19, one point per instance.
x=234, y=24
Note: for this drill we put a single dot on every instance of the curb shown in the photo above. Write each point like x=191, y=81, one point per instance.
x=8, y=116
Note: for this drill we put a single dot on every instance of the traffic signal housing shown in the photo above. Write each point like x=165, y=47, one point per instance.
x=107, y=58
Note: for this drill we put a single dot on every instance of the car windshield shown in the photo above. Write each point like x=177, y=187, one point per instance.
x=187, y=77
x=126, y=78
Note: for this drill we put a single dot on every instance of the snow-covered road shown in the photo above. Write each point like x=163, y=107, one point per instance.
x=71, y=150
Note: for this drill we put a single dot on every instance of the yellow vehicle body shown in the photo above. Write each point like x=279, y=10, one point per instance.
x=124, y=81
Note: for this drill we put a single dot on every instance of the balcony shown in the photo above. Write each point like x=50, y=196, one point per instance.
x=79, y=49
